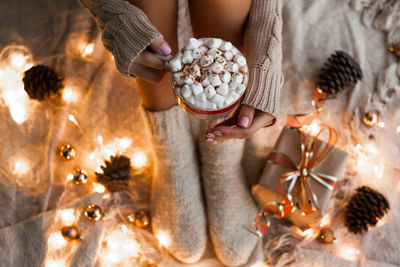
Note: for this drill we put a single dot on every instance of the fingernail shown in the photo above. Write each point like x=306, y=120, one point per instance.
x=210, y=135
x=165, y=49
x=244, y=121
x=218, y=133
x=209, y=140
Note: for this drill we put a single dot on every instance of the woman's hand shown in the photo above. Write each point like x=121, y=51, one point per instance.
x=243, y=125
x=147, y=66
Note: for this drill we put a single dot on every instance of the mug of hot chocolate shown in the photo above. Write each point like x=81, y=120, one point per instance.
x=209, y=77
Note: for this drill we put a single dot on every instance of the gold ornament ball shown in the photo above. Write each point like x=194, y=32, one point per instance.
x=140, y=219
x=371, y=119
x=70, y=232
x=94, y=213
x=67, y=152
x=148, y=264
x=326, y=236
x=80, y=176
x=395, y=49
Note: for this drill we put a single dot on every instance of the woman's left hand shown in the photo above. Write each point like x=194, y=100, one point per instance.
x=243, y=125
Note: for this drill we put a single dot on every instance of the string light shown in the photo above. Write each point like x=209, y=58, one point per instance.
x=98, y=188
x=67, y=216
x=381, y=124
x=349, y=253
x=120, y=246
x=163, y=239
x=21, y=167
x=18, y=61
x=123, y=143
x=57, y=241
x=55, y=263
x=325, y=220
x=69, y=95
x=307, y=234
x=72, y=119
x=398, y=130
x=88, y=50
x=259, y=264
x=139, y=159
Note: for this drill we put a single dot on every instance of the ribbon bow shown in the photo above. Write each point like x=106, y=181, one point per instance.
x=293, y=190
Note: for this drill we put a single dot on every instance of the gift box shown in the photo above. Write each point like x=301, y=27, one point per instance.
x=289, y=144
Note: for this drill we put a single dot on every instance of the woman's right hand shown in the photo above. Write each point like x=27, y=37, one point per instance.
x=149, y=67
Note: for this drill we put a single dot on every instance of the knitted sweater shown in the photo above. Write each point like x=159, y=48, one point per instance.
x=127, y=31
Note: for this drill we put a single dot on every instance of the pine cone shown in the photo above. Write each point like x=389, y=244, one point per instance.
x=116, y=173
x=341, y=71
x=364, y=209
x=41, y=82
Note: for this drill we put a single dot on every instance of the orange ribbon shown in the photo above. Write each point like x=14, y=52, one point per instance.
x=293, y=190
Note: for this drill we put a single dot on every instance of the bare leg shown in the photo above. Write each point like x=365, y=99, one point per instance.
x=220, y=18
x=163, y=15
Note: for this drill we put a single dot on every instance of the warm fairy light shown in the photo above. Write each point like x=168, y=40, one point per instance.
x=72, y=119
x=15, y=98
x=378, y=170
x=18, y=61
x=312, y=128
x=139, y=159
x=100, y=139
x=325, y=220
x=163, y=239
x=370, y=148
x=259, y=264
x=21, y=167
x=307, y=234
x=67, y=216
x=381, y=124
x=70, y=176
x=123, y=143
x=349, y=253
x=88, y=50
x=381, y=221
x=99, y=169
x=56, y=240
x=98, y=188
x=398, y=130
x=55, y=263
x=358, y=147
x=120, y=247
x=124, y=228
x=69, y=95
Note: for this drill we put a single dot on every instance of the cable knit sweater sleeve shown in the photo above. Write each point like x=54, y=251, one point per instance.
x=126, y=29
x=263, y=46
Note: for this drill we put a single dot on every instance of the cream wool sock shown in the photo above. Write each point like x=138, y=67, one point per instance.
x=177, y=208
x=229, y=203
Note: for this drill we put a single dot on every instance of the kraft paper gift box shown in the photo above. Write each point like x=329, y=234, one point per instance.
x=289, y=143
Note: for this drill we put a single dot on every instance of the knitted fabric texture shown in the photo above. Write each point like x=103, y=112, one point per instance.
x=126, y=29
x=229, y=203
x=263, y=46
x=176, y=199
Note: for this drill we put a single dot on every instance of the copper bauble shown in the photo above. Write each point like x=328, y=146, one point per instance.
x=139, y=218
x=80, y=176
x=70, y=232
x=67, y=152
x=371, y=119
x=94, y=213
x=395, y=49
x=326, y=236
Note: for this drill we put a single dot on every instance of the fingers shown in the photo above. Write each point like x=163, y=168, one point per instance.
x=226, y=130
x=246, y=115
x=160, y=46
x=148, y=59
x=146, y=73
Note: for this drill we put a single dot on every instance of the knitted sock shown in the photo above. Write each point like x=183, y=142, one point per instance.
x=229, y=203
x=176, y=199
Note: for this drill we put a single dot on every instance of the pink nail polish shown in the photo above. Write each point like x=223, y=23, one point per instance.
x=218, y=133
x=209, y=140
x=210, y=135
x=244, y=121
x=165, y=49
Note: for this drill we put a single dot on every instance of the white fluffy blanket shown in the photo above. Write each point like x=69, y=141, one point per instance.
x=33, y=199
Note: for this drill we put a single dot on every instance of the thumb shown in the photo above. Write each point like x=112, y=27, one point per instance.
x=245, y=117
x=160, y=46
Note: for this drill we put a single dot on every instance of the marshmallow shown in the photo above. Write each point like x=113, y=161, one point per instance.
x=232, y=86
x=187, y=57
x=209, y=91
x=245, y=79
x=214, y=43
x=189, y=80
x=211, y=105
x=217, y=67
x=175, y=64
x=232, y=67
x=228, y=55
x=214, y=80
x=223, y=89
x=218, y=99
x=225, y=76
x=237, y=78
x=203, y=49
x=190, y=99
x=193, y=43
x=195, y=70
x=205, y=81
x=221, y=60
x=240, y=60
x=244, y=69
x=197, y=88
x=231, y=97
x=206, y=60
x=240, y=88
x=214, y=52
x=179, y=78
x=226, y=46
x=234, y=51
x=186, y=91
x=197, y=54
